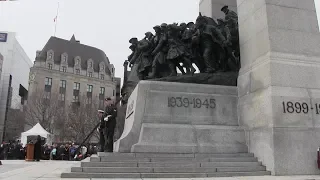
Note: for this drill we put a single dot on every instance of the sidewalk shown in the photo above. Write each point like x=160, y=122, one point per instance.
x=51, y=170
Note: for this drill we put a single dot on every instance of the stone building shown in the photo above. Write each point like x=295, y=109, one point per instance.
x=72, y=70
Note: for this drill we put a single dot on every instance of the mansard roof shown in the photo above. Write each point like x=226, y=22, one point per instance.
x=74, y=49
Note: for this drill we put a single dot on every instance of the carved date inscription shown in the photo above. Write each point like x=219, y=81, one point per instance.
x=300, y=107
x=182, y=102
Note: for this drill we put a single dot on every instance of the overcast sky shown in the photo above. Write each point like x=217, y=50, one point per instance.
x=105, y=24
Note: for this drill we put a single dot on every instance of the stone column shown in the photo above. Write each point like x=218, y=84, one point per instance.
x=279, y=83
x=212, y=8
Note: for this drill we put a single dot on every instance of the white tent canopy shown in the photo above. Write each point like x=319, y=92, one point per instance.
x=35, y=131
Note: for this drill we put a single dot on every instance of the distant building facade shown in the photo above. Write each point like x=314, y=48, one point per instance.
x=14, y=81
x=72, y=70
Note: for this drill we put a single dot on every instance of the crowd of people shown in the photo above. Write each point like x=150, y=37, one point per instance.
x=58, y=151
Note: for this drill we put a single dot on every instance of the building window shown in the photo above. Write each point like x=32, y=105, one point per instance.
x=78, y=71
x=77, y=61
x=48, y=81
x=90, y=64
x=102, y=76
x=63, y=83
x=113, y=93
x=50, y=56
x=47, y=95
x=50, y=66
x=64, y=69
x=89, y=88
x=90, y=74
x=102, y=90
x=75, y=98
x=76, y=86
x=102, y=67
x=62, y=97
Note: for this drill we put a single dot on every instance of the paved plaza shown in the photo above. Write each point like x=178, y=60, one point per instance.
x=51, y=170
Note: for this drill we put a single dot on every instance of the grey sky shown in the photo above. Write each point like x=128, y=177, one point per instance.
x=105, y=24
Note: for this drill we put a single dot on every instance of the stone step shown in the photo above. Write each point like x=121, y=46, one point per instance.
x=166, y=169
x=173, y=159
x=169, y=164
x=162, y=175
x=169, y=155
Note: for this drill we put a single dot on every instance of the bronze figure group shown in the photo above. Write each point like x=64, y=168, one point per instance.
x=211, y=46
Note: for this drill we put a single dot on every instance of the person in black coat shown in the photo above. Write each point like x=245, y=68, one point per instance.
x=109, y=119
x=37, y=149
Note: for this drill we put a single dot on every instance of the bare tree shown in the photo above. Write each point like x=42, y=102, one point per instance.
x=82, y=118
x=44, y=109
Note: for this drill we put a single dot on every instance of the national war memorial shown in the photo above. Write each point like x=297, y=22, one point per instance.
x=252, y=108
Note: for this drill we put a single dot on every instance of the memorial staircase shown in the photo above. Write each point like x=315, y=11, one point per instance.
x=167, y=165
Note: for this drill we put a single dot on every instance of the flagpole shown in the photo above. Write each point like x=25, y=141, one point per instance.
x=56, y=21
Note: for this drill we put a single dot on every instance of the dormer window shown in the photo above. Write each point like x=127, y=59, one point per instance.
x=90, y=74
x=102, y=67
x=50, y=56
x=78, y=71
x=102, y=76
x=90, y=64
x=77, y=61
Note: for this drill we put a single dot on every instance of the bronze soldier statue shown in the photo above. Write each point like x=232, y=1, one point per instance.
x=211, y=43
x=177, y=51
x=142, y=58
x=231, y=20
x=228, y=48
x=107, y=126
x=161, y=49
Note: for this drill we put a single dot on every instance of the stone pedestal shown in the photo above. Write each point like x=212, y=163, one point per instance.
x=164, y=117
x=279, y=86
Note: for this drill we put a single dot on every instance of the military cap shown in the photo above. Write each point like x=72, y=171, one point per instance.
x=156, y=27
x=148, y=33
x=164, y=25
x=183, y=24
x=224, y=7
x=133, y=39
x=190, y=23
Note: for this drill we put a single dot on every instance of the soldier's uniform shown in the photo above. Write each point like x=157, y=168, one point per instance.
x=107, y=126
